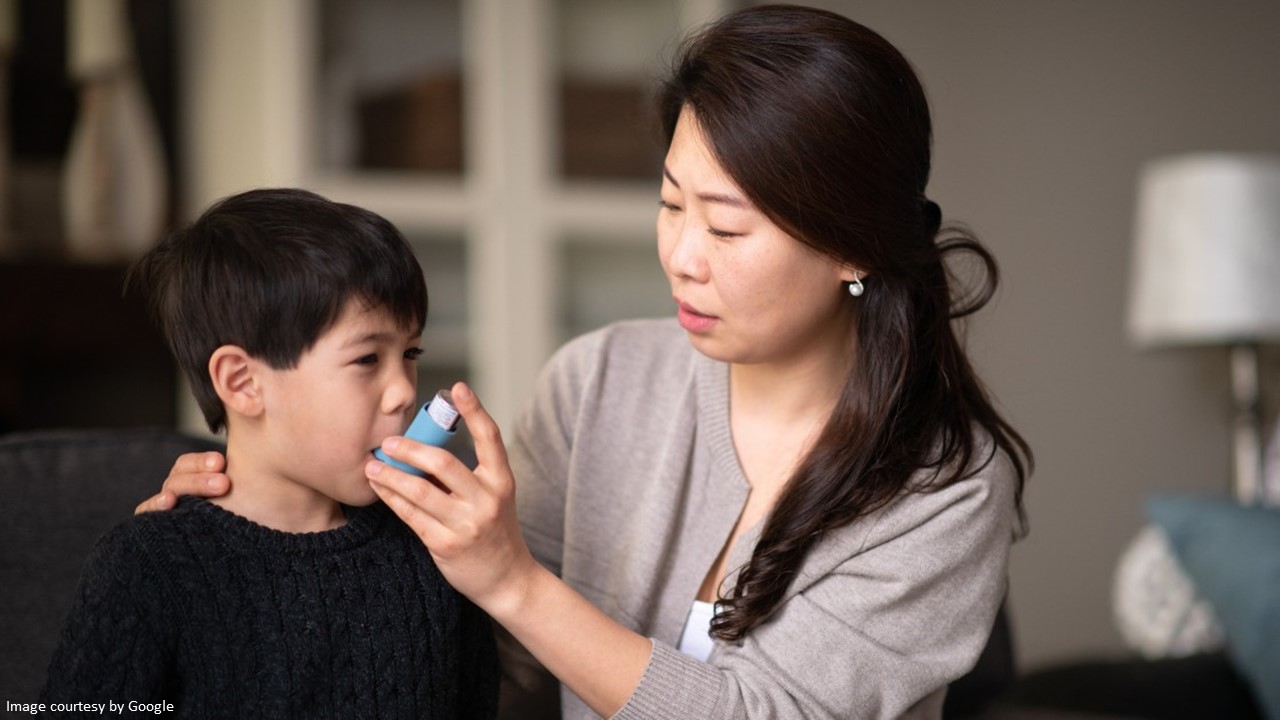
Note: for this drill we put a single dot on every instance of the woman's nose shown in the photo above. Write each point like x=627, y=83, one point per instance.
x=687, y=256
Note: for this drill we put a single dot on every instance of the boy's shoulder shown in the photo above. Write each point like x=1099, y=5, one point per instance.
x=135, y=562
x=183, y=517
x=148, y=536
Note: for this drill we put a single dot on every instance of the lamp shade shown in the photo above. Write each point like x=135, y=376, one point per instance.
x=1206, y=264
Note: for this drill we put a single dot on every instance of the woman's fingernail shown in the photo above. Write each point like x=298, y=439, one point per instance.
x=391, y=443
x=373, y=469
x=210, y=461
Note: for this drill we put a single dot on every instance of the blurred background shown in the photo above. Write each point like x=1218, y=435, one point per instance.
x=511, y=141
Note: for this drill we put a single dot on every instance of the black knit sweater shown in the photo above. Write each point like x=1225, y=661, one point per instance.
x=226, y=618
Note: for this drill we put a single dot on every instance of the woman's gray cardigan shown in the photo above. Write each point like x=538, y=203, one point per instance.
x=628, y=487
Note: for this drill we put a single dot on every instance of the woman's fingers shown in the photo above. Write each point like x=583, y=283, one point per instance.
x=441, y=466
x=491, y=455
x=160, y=501
x=198, y=474
x=419, y=502
x=466, y=519
x=448, y=525
x=474, y=539
x=192, y=474
x=199, y=462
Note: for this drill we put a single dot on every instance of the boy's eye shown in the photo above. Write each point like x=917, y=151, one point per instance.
x=413, y=353
x=370, y=359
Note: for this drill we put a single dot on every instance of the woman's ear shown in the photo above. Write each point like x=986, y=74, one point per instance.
x=849, y=273
x=232, y=371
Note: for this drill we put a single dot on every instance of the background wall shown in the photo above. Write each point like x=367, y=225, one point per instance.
x=1044, y=111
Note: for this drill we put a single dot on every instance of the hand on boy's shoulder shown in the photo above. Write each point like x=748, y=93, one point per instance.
x=197, y=474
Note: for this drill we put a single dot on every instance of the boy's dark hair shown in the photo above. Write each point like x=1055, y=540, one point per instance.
x=270, y=271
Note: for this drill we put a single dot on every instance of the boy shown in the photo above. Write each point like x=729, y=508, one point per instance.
x=297, y=321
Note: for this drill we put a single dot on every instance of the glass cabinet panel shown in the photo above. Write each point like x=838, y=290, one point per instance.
x=444, y=265
x=609, y=59
x=390, y=85
x=607, y=280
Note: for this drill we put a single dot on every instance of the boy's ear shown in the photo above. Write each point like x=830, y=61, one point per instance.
x=232, y=371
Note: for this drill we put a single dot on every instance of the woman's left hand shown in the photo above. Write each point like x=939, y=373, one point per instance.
x=467, y=519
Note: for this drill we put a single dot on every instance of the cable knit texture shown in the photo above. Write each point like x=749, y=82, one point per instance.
x=227, y=618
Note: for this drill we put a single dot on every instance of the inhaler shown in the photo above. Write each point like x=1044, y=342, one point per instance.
x=435, y=424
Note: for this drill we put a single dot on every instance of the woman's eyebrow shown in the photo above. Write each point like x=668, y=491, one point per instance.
x=666, y=172
x=730, y=200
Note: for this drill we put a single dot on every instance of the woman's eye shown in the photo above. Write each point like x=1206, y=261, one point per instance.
x=413, y=353
x=722, y=233
x=671, y=207
x=370, y=359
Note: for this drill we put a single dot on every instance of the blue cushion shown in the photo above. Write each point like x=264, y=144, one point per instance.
x=1231, y=553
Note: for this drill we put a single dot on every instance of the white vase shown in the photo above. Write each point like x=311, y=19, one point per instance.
x=114, y=189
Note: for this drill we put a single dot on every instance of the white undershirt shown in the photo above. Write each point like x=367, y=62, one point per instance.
x=696, y=640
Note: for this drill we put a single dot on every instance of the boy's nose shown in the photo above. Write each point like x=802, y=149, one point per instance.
x=401, y=392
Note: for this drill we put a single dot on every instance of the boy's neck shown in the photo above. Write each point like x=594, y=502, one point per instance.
x=273, y=501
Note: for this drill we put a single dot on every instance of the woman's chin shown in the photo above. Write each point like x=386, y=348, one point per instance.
x=713, y=347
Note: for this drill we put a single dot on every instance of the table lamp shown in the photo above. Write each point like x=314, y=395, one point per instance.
x=1206, y=271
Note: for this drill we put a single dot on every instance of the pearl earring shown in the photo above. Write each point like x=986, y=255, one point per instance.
x=856, y=288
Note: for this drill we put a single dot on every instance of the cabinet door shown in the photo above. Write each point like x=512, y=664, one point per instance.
x=390, y=86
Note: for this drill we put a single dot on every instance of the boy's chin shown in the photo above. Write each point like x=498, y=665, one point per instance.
x=358, y=497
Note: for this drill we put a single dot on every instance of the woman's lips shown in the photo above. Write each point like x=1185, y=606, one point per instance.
x=694, y=321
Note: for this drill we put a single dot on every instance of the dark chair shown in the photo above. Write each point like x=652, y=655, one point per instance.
x=1197, y=687
x=970, y=695
x=62, y=490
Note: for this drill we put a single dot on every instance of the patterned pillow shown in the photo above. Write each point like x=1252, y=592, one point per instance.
x=1156, y=607
x=1231, y=553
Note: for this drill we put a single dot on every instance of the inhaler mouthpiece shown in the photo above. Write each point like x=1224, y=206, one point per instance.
x=435, y=424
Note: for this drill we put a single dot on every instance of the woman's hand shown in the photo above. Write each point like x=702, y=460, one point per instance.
x=466, y=519
x=193, y=474
x=468, y=522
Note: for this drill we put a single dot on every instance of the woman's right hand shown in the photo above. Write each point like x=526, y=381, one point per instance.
x=193, y=474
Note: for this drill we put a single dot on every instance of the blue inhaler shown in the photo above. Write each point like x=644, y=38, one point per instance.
x=435, y=424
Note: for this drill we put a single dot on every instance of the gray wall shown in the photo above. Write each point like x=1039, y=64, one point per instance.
x=1044, y=111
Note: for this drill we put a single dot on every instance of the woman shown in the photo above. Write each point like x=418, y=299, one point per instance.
x=806, y=446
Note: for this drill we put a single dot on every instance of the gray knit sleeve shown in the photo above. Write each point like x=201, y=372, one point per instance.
x=883, y=615
x=543, y=442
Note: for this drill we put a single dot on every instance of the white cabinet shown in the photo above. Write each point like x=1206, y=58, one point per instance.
x=507, y=139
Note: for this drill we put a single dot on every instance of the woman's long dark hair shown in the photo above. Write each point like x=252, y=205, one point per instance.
x=825, y=127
